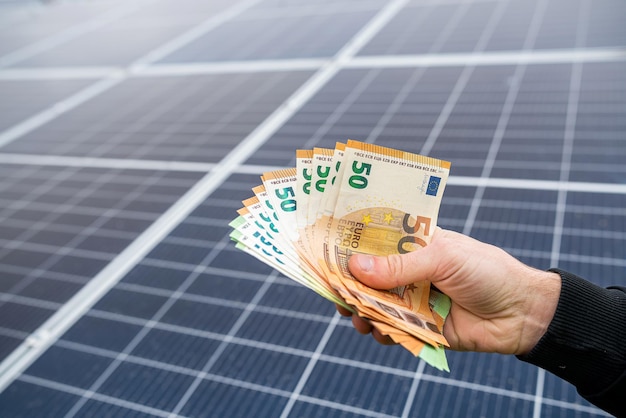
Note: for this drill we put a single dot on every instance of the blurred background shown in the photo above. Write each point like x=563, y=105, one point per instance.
x=130, y=131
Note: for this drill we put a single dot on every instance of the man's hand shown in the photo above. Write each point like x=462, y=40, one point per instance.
x=498, y=303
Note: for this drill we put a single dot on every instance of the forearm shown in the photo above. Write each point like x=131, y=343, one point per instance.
x=585, y=342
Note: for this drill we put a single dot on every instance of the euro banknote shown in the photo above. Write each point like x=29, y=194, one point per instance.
x=307, y=221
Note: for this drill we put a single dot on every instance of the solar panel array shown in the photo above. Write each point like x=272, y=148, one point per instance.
x=131, y=131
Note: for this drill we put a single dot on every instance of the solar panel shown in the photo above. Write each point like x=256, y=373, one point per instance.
x=130, y=133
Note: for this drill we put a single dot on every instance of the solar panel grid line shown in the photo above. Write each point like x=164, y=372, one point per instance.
x=564, y=257
x=344, y=408
x=53, y=249
x=223, y=302
x=246, y=311
x=101, y=162
x=74, y=198
x=9, y=297
x=505, y=114
x=342, y=360
x=562, y=186
x=166, y=366
x=337, y=360
x=57, y=109
x=58, y=323
x=533, y=184
x=122, y=355
x=20, y=335
x=592, y=233
x=415, y=383
x=61, y=276
x=258, y=277
x=225, y=67
x=490, y=58
x=493, y=149
x=340, y=111
x=57, y=73
x=191, y=35
x=92, y=210
x=161, y=365
x=570, y=126
x=308, y=10
x=210, y=335
x=395, y=104
x=41, y=189
x=461, y=81
x=78, y=230
x=512, y=394
x=157, y=111
x=63, y=226
x=57, y=252
x=569, y=133
x=107, y=83
x=594, y=259
x=306, y=373
x=70, y=33
x=484, y=58
x=98, y=396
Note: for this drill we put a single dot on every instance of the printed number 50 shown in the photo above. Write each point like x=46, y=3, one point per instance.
x=284, y=194
x=359, y=180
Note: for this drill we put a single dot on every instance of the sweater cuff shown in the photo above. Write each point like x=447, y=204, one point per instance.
x=584, y=343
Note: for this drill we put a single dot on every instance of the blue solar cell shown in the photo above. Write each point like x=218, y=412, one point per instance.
x=268, y=368
x=79, y=266
x=148, y=386
x=103, y=333
x=176, y=348
x=9, y=281
x=159, y=277
x=93, y=408
x=180, y=253
x=27, y=400
x=58, y=291
x=130, y=303
x=239, y=289
x=434, y=399
x=283, y=330
x=234, y=260
x=21, y=317
x=296, y=298
x=596, y=246
x=201, y=316
x=346, y=343
x=8, y=344
x=70, y=367
x=331, y=382
x=224, y=400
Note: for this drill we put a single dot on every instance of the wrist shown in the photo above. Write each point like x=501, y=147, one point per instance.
x=541, y=300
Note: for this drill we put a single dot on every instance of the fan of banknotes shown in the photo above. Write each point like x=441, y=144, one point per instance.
x=307, y=221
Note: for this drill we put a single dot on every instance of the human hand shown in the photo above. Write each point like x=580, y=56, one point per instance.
x=498, y=303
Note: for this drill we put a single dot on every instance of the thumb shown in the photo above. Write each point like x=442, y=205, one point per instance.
x=387, y=272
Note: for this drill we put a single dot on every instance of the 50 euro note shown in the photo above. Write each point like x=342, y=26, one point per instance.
x=387, y=203
x=356, y=198
x=250, y=237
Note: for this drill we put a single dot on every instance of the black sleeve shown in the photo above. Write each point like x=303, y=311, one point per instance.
x=586, y=342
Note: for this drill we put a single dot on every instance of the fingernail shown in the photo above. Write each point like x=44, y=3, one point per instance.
x=365, y=262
